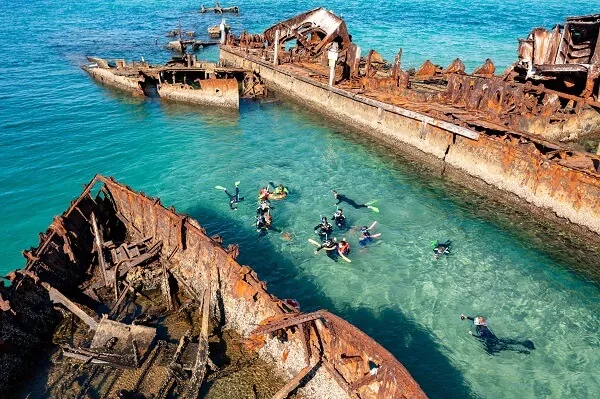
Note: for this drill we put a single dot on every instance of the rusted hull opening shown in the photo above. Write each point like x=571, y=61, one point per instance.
x=136, y=297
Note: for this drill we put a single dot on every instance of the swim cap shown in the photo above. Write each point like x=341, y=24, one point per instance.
x=479, y=321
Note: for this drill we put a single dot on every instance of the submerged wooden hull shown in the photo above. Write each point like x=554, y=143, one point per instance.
x=340, y=360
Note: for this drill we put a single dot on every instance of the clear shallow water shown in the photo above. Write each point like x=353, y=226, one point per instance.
x=58, y=128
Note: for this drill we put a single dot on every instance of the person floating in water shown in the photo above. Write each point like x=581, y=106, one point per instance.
x=279, y=192
x=440, y=249
x=234, y=199
x=324, y=228
x=330, y=246
x=343, y=247
x=342, y=198
x=263, y=207
x=366, y=236
x=339, y=219
x=264, y=193
x=492, y=343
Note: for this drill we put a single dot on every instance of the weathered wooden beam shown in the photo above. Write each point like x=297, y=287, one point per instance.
x=288, y=322
x=84, y=358
x=119, y=301
x=199, y=370
x=99, y=247
x=57, y=297
x=166, y=287
x=292, y=384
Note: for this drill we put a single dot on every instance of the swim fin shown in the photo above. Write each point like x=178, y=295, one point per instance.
x=370, y=202
x=373, y=208
x=220, y=188
x=237, y=183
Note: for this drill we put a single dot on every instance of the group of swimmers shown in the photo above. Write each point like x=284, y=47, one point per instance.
x=340, y=249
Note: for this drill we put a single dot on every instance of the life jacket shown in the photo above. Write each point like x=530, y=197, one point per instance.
x=263, y=194
x=343, y=248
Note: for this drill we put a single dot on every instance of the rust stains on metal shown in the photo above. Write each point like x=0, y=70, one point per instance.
x=183, y=79
x=160, y=259
x=506, y=129
x=566, y=58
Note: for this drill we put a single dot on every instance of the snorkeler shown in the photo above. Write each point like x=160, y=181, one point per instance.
x=233, y=199
x=264, y=193
x=330, y=247
x=343, y=247
x=440, y=249
x=366, y=236
x=279, y=192
x=342, y=198
x=263, y=207
x=339, y=219
x=324, y=228
x=492, y=343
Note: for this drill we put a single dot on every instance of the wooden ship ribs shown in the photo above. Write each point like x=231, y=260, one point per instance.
x=111, y=251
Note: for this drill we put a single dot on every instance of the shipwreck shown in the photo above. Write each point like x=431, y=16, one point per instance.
x=125, y=297
x=505, y=129
x=184, y=79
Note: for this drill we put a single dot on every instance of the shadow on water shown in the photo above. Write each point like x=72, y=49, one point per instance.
x=408, y=342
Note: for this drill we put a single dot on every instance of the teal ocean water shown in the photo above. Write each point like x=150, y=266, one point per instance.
x=58, y=128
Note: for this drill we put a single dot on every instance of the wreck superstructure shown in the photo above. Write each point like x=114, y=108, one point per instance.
x=118, y=265
x=183, y=79
x=502, y=129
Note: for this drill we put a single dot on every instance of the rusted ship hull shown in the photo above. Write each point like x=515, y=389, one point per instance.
x=333, y=358
x=477, y=123
x=171, y=83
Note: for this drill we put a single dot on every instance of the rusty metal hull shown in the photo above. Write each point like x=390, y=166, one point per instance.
x=541, y=172
x=212, y=91
x=345, y=362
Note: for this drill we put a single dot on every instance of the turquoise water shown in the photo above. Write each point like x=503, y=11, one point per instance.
x=58, y=128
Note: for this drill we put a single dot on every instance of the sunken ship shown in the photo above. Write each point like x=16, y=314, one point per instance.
x=508, y=130
x=183, y=79
x=126, y=298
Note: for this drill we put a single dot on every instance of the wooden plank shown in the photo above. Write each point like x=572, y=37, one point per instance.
x=57, y=297
x=99, y=247
x=166, y=287
x=199, y=370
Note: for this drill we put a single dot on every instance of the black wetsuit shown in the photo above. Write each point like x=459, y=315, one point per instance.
x=235, y=198
x=330, y=247
x=494, y=345
x=342, y=198
x=442, y=249
x=339, y=219
x=323, y=229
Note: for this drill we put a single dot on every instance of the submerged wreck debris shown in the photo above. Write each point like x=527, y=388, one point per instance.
x=217, y=9
x=504, y=129
x=183, y=79
x=566, y=58
x=138, y=297
x=217, y=31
